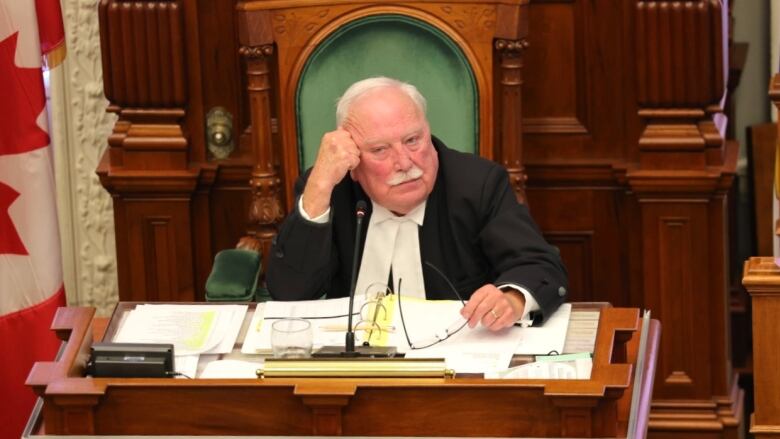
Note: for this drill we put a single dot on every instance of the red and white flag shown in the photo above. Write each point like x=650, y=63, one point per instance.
x=31, y=285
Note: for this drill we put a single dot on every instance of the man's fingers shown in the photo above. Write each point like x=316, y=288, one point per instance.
x=491, y=308
x=479, y=304
x=505, y=320
x=496, y=317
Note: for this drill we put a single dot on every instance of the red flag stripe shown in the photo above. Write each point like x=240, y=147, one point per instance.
x=50, y=26
x=27, y=338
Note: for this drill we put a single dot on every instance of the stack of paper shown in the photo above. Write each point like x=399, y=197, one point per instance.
x=192, y=329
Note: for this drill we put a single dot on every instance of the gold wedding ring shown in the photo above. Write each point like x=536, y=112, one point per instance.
x=492, y=311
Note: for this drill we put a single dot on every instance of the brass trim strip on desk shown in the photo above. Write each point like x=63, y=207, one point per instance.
x=367, y=367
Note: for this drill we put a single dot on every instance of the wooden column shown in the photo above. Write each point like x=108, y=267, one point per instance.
x=511, y=85
x=762, y=280
x=148, y=72
x=684, y=170
x=265, y=210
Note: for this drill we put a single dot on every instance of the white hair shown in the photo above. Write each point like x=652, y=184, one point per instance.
x=362, y=87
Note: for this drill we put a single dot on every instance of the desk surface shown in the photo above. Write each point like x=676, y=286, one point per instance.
x=580, y=335
x=285, y=406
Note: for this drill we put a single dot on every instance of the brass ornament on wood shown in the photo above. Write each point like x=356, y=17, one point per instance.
x=219, y=132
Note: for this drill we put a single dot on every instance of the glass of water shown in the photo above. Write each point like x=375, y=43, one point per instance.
x=291, y=338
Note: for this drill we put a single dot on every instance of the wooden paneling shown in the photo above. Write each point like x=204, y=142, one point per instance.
x=680, y=53
x=675, y=254
x=575, y=106
x=556, y=39
x=163, y=232
x=576, y=250
x=144, y=54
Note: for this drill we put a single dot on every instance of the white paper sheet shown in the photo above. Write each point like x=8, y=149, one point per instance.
x=469, y=350
x=476, y=350
x=192, y=329
x=541, y=340
x=231, y=369
x=186, y=365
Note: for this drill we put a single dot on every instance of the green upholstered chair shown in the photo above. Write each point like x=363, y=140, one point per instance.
x=391, y=45
x=234, y=277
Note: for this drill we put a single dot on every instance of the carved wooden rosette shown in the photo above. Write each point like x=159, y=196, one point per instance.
x=510, y=53
x=265, y=210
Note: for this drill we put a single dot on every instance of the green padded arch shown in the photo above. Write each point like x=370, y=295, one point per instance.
x=399, y=47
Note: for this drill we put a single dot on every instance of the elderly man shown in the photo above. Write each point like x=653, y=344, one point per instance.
x=426, y=203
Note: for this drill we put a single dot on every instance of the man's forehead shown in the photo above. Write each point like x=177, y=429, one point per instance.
x=372, y=138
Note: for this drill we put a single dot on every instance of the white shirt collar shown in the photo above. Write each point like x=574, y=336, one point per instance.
x=381, y=214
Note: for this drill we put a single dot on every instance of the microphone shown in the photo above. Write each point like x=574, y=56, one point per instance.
x=360, y=212
x=349, y=350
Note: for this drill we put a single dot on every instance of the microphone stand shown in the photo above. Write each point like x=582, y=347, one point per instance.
x=349, y=342
x=350, y=350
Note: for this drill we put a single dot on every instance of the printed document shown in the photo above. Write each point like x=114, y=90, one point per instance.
x=192, y=329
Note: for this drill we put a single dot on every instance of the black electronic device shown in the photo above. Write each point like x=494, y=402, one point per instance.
x=131, y=360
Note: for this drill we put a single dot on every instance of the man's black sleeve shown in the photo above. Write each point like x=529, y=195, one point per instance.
x=515, y=247
x=302, y=257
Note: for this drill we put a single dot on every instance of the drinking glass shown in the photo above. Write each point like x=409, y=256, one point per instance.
x=291, y=338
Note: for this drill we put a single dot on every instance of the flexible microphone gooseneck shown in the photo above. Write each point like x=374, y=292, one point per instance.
x=349, y=351
x=360, y=212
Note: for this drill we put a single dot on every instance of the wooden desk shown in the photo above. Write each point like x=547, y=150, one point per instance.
x=761, y=277
x=463, y=406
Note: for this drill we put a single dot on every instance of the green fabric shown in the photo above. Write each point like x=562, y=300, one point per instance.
x=233, y=277
x=395, y=46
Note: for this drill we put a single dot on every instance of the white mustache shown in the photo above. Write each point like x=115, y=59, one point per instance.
x=402, y=177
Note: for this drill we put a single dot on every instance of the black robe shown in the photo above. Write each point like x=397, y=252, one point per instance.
x=474, y=230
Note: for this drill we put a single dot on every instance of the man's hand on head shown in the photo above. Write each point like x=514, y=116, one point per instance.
x=338, y=155
x=493, y=308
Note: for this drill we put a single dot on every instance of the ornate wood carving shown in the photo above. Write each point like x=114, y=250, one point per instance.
x=511, y=56
x=265, y=210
